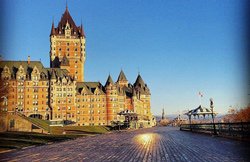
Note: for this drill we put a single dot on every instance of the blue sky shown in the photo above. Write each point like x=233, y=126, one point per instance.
x=179, y=47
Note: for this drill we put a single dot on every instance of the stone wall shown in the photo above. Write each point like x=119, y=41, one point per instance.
x=3, y=121
x=13, y=122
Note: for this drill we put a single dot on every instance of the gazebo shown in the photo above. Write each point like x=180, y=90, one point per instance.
x=129, y=115
x=200, y=111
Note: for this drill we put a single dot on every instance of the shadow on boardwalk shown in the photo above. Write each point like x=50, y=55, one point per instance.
x=152, y=144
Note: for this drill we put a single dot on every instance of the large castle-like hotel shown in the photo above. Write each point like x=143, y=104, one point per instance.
x=59, y=93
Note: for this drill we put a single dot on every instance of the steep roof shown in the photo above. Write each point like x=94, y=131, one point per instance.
x=109, y=80
x=90, y=87
x=66, y=18
x=140, y=86
x=53, y=31
x=139, y=81
x=122, y=77
x=27, y=66
x=65, y=61
x=55, y=73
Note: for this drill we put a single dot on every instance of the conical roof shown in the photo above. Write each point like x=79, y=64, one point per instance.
x=66, y=18
x=52, y=32
x=82, y=32
x=139, y=81
x=140, y=86
x=122, y=77
x=109, y=80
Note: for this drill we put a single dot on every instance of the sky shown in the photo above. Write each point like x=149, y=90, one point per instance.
x=180, y=48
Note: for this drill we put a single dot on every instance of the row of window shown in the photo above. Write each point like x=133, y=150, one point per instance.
x=64, y=95
x=69, y=115
x=90, y=106
x=91, y=119
x=59, y=83
x=63, y=89
x=28, y=83
x=63, y=101
x=90, y=100
x=60, y=49
x=92, y=112
x=28, y=89
x=75, y=43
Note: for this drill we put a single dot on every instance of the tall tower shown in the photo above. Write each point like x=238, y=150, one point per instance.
x=163, y=115
x=67, y=46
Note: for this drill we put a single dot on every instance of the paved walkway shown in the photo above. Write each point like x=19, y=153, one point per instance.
x=153, y=144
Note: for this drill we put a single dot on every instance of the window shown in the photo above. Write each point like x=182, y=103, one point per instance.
x=12, y=123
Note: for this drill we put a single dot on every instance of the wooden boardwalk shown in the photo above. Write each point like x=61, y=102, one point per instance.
x=153, y=144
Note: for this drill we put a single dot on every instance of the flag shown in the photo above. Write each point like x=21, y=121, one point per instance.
x=200, y=94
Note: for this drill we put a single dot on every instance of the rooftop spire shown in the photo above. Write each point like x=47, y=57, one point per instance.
x=122, y=76
x=52, y=28
x=81, y=31
x=66, y=5
x=109, y=80
x=67, y=19
x=139, y=81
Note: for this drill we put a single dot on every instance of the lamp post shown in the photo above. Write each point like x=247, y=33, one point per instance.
x=212, y=108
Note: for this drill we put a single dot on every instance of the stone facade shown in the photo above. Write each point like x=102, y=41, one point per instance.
x=60, y=92
x=17, y=122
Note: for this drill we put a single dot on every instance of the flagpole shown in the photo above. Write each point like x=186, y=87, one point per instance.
x=200, y=99
x=200, y=96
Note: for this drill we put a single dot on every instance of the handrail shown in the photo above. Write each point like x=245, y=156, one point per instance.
x=236, y=129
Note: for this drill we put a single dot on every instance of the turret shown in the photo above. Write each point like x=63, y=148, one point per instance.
x=109, y=81
x=52, y=32
x=68, y=39
x=122, y=80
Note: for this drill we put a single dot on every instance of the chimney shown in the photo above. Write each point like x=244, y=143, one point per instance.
x=28, y=59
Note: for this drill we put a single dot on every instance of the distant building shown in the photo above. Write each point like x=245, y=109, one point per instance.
x=163, y=114
x=178, y=121
x=61, y=93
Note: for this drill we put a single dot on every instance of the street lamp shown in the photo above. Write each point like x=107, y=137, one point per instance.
x=212, y=108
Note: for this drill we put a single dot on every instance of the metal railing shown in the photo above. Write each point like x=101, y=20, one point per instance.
x=239, y=129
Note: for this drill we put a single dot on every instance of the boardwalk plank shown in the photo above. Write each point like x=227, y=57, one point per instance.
x=153, y=144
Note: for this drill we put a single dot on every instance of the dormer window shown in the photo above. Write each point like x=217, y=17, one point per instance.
x=67, y=30
x=20, y=73
x=6, y=73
